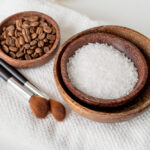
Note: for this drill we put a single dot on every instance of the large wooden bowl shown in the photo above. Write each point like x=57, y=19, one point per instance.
x=38, y=61
x=130, y=50
x=125, y=112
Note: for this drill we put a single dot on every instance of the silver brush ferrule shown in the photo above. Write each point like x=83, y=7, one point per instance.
x=35, y=90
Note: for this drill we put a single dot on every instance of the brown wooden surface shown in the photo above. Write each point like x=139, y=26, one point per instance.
x=122, y=45
x=38, y=61
x=108, y=115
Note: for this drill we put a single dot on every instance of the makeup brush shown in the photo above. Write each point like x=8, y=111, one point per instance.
x=56, y=108
x=39, y=105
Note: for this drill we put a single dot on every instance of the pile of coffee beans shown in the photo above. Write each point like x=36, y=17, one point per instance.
x=27, y=38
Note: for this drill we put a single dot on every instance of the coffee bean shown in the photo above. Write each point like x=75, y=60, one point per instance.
x=40, y=44
x=5, y=48
x=33, y=35
x=34, y=24
x=21, y=40
x=17, y=43
x=35, y=55
x=33, y=18
x=27, y=57
x=19, y=54
x=38, y=50
x=27, y=46
x=30, y=51
x=19, y=24
x=41, y=36
x=13, y=49
x=51, y=37
x=47, y=29
x=10, y=32
x=12, y=54
x=39, y=30
x=46, y=49
x=34, y=42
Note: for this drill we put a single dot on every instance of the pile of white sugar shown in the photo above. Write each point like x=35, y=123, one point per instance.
x=102, y=71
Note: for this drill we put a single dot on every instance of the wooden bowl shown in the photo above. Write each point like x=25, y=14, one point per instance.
x=125, y=112
x=38, y=61
x=130, y=50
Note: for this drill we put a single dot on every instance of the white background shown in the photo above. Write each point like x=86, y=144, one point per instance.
x=131, y=13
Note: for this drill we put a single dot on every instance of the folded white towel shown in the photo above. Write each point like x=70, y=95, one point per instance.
x=76, y=132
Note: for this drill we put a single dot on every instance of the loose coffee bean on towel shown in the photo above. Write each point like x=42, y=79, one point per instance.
x=27, y=38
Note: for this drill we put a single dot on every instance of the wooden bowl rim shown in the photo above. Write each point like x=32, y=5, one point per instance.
x=100, y=102
x=34, y=62
x=91, y=114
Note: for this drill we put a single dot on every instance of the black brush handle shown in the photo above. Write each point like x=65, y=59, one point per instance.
x=4, y=74
x=13, y=71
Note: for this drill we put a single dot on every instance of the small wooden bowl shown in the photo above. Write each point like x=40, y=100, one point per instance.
x=130, y=50
x=38, y=61
x=141, y=102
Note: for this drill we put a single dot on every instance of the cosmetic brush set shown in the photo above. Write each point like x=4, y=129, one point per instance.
x=38, y=101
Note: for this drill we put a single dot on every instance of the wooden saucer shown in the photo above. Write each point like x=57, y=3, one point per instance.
x=34, y=62
x=124, y=46
x=107, y=115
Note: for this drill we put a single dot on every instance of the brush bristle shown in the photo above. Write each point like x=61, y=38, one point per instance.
x=39, y=106
x=58, y=110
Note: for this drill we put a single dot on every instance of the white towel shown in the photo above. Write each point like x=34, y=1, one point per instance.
x=76, y=132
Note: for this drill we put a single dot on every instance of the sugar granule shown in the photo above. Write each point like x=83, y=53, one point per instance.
x=102, y=71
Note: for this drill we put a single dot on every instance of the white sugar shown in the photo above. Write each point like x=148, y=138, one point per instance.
x=102, y=71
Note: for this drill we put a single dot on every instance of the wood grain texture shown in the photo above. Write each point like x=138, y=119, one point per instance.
x=38, y=61
x=108, y=115
x=122, y=45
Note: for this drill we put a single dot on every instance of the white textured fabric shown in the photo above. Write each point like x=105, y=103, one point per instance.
x=76, y=132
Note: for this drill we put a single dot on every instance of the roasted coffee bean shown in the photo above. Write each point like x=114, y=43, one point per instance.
x=27, y=46
x=19, y=24
x=33, y=35
x=34, y=42
x=27, y=57
x=46, y=49
x=39, y=30
x=26, y=35
x=35, y=55
x=38, y=50
x=30, y=51
x=33, y=18
x=42, y=23
x=13, y=49
x=5, y=48
x=12, y=54
x=21, y=40
x=17, y=43
x=51, y=37
x=40, y=44
x=47, y=29
x=10, y=32
x=32, y=30
x=53, y=30
x=34, y=24
x=41, y=36
x=19, y=54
